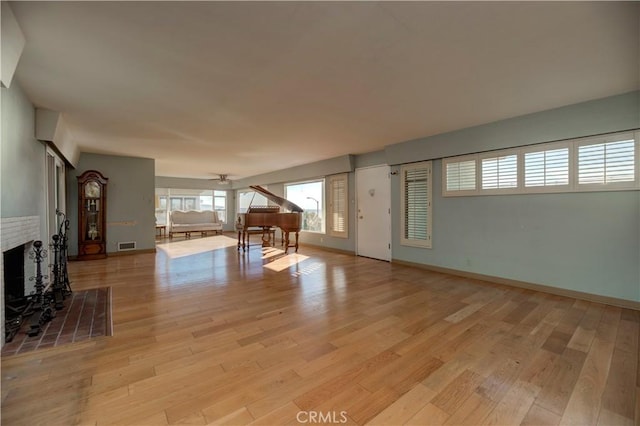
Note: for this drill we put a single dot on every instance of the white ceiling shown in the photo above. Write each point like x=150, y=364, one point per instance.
x=245, y=88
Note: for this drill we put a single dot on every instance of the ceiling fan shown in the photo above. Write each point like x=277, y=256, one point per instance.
x=223, y=179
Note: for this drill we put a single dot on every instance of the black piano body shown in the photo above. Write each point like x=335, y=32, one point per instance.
x=266, y=217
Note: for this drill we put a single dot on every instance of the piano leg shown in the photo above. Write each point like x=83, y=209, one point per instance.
x=286, y=242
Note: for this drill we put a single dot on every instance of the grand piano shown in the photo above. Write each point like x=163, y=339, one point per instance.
x=264, y=218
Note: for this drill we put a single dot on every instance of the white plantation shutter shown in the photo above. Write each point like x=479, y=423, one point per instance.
x=416, y=204
x=546, y=168
x=338, y=205
x=500, y=172
x=606, y=163
x=600, y=163
x=461, y=175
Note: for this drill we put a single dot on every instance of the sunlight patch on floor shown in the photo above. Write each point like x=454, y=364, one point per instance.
x=285, y=262
x=196, y=246
x=269, y=252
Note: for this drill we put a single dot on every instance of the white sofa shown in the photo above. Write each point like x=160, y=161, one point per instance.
x=194, y=221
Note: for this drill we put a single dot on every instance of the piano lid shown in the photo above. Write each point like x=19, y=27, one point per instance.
x=282, y=202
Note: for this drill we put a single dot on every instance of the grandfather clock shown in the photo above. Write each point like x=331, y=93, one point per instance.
x=92, y=215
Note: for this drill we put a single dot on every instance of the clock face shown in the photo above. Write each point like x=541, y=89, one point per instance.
x=92, y=189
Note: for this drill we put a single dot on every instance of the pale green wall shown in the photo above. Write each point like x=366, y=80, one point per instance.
x=370, y=159
x=612, y=114
x=130, y=200
x=321, y=168
x=23, y=158
x=587, y=242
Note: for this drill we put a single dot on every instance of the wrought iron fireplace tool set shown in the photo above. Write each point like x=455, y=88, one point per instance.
x=41, y=305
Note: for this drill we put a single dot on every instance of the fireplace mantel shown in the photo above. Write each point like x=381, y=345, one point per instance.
x=15, y=231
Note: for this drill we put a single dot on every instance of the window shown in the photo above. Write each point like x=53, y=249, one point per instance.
x=205, y=202
x=189, y=199
x=220, y=204
x=190, y=203
x=250, y=198
x=500, y=172
x=309, y=196
x=459, y=175
x=177, y=203
x=601, y=163
x=216, y=200
x=161, y=207
x=607, y=162
x=546, y=168
x=338, y=206
x=416, y=204
x=162, y=203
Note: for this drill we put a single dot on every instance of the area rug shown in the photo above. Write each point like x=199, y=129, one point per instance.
x=86, y=315
x=196, y=246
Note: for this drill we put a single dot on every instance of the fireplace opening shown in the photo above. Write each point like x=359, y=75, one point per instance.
x=14, y=279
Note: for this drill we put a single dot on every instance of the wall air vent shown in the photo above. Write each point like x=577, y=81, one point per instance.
x=127, y=246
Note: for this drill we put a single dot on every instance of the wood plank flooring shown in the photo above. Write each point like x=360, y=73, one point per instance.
x=218, y=338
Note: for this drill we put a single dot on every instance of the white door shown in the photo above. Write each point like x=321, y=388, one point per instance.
x=373, y=212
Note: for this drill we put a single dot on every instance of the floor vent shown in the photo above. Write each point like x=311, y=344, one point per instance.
x=127, y=246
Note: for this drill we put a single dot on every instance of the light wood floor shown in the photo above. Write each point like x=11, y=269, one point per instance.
x=219, y=338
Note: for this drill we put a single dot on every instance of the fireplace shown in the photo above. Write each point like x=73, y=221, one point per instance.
x=15, y=280
x=16, y=236
x=14, y=274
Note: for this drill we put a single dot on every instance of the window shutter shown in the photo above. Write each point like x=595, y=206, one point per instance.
x=338, y=209
x=416, y=181
x=500, y=172
x=546, y=168
x=598, y=163
x=608, y=162
x=461, y=176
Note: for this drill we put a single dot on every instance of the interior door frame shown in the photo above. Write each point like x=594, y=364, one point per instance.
x=387, y=169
